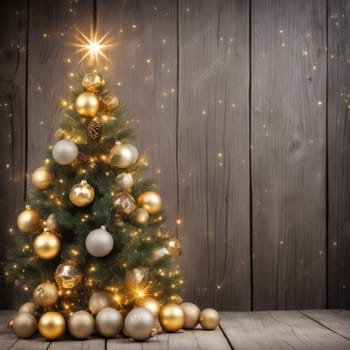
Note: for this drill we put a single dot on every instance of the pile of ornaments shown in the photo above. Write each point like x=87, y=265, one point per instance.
x=145, y=320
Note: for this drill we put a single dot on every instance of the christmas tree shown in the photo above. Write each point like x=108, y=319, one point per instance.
x=92, y=235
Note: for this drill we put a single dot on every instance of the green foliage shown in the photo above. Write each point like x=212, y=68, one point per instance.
x=134, y=246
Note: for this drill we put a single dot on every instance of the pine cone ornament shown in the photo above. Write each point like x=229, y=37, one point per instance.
x=93, y=129
x=82, y=158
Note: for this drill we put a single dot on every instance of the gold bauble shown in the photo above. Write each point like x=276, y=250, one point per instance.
x=81, y=324
x=27, y=307
x=100, y=300
x=191, y=315
x=171, y=317
x=122, y=155
x=150, y=201
x=42, y=178
x=86, y=104
x=45, y=294
x=123, y=205
x=24, y=325
x=137, y=276
x=82, y=194
x=173, y=246
x=47, y=245
x=150, y=304
x=52, y=224
x=209, y=319
x=29, y=220
x=139, y=216
x=109, y=102
x=52, y=325
x=68, y=274
x=92, y=82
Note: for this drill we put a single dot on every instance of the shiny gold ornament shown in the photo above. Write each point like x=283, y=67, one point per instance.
x=171, y=317
x=47, y=245
x=173, y=246
x=82, y=194
x=109, y=102
x=29, y=220
x=24, y=325
x=42, y=178
x=209, y=319
x=100, y=300
x=191, y=315
x=139, y=323
x=124, y=181
x=86, y=104
x=27, y=307
x=150, y=304
x=137, y=276
x=150, y=201
x=139, y=217
x=68, y=274
x=81, y=324
x=123, y=205
x=60, y=134
x=52, y=224
x=109, y=322
x=122, y=155
x=52, y=325
x=45, y=294
x=92, y=82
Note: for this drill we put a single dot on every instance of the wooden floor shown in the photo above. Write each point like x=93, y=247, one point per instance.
x=274, y=330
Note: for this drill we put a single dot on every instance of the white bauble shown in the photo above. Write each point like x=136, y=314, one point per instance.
x=139, y=323
x=65, y=152
x=109, y=322
x=124, y=181
x=81, y=324
x=99, y=242
x=134, y=152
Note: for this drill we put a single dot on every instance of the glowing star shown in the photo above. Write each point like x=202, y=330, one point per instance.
x=92, y=47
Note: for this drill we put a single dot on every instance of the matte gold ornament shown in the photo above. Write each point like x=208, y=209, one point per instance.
x=109, y=102
x=139, y=217
x=86, y=104
x=24, y=325
x=47, y=245
x=209, y=319
x=139, y=323
x=122, y=155
x=150, y=201
x=64, y=152
x=150, y=304
x=81, y=324
x=82, y=194
x=191, y=315
x=124, y=181
x=109, y=322
x=100, y=300
x=171, y=317
x=137, y=276
x=68, y=274
x=42, y=178
x=29, y=220
x=27, y=307
x=52, y=325
x=60, y=134
x=92, y=82
x=123, y=205
x=45, y=294
x=173, y=246
x=51, y=223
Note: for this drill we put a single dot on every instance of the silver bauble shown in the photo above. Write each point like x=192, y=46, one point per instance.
x=99, y=242
x=123, y=155
x=109, y=322
x=124, y=181
x=81, y=324
x=27, y=307
x=100, y=300
x=65, y=152
x=139, y=323
x=24, y=325
x=192, y=312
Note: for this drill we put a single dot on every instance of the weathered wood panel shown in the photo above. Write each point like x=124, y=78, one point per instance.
x=143, y=73
x=278, y=330
x=288, y=70
x=213, y=151
x=13, y=46
x=51, y=59
x=339, y=153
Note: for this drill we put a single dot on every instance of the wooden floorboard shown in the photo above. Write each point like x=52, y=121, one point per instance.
x=278, y=330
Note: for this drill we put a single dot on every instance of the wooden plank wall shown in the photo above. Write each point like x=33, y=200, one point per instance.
x=242, y=111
